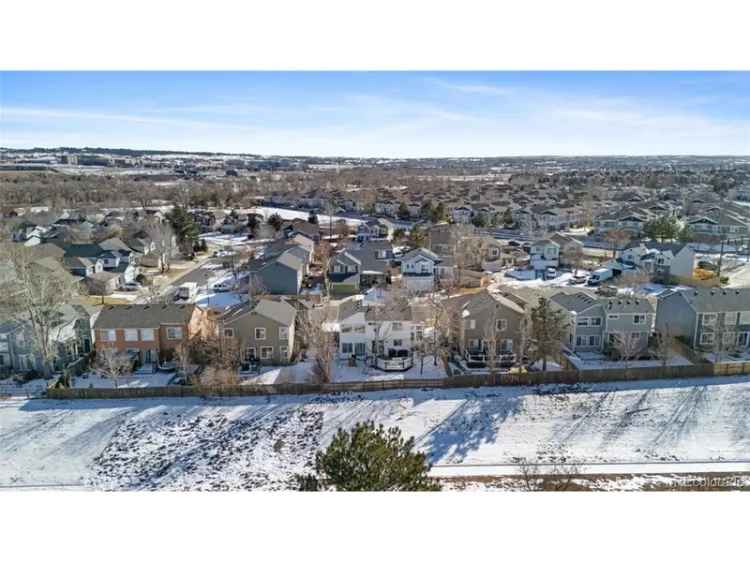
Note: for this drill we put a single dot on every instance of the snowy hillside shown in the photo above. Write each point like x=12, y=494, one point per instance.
x=248, y=443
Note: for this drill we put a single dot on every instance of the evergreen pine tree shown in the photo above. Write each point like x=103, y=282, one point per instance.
x=547, y=331
x=370, y=458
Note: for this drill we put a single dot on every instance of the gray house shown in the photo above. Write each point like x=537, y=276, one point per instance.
x=600, y=324
x=262, y=330
x=70, y=337
x=706, y=319
x=279, y=275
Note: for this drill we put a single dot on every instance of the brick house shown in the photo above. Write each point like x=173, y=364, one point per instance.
x=152, y=331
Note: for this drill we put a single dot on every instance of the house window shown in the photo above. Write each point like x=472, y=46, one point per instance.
x=147, y=334
x=249, y=354
x=474, y=344
x=707, y=338
x=359, y=329
x=579, y=340
x=228, y=332
x=266, y=352
x=709, y=319
x=594, y=341
x=730, y=318
x=346, y=348
x=398, y=343
x=583, y=322
x=174, y=333
x=284, y=351
x=419, y=332
x=502, y=324
x=596, y=322
x=507, y=346
x=639, y=318
x=283, y=333
x=104, y=335
x=613, y=317
x=397, y=326
x=260, y=334
x=470, y=324
x=745, y=317
x=131, y=334
x=346, y=329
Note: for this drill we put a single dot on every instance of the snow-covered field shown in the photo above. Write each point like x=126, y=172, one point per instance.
x=250, y=443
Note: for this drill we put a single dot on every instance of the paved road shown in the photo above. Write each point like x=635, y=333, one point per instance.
x=658, y=467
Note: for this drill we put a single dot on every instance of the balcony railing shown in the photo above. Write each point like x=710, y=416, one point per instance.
x=394, y=363
x=503, y=359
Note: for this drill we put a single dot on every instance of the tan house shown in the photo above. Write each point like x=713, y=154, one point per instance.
x=262, y=331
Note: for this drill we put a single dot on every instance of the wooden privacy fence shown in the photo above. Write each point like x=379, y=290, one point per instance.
x=459, y=381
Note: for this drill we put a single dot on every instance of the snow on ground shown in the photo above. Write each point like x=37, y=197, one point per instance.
x=9, y=387
x=562, y=280
x=93, y=380
x=289, y=214
x=261, y=442
x=590, y=360
x=219, y=301
x=727, y=357
x=343, y=372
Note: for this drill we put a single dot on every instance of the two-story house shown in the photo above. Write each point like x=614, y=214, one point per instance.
x=706, y=319
x=595, y=324
x=69, y=337
x=384, y=336
x=261, y=330
x=352, y=271
x=150, y=332
x=661, y=260
x=490, y=320
x=544, y=253
x=420, y=270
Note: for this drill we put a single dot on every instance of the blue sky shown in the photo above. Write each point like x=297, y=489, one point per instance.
x=390, y=114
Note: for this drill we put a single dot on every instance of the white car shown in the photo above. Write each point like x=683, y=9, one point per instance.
x=550, y=273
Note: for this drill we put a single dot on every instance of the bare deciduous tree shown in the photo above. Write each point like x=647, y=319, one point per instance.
x=30, y=293
x=113, y=364
x=664, y=345
x=556, y=475
x=319, y=342
x=574, y=257
x=165, y=242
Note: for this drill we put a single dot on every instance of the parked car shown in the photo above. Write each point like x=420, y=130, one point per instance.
x=222, y=253
x=550, y=273
x=578, y=279
x=131, y=286
x=607, y=291
x=710, y=266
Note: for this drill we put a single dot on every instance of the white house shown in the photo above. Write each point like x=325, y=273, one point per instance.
x=544, y=253
x=382, y=335
x=419, y=269
x=661, y=259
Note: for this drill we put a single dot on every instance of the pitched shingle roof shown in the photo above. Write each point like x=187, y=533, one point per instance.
x=143, y=315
